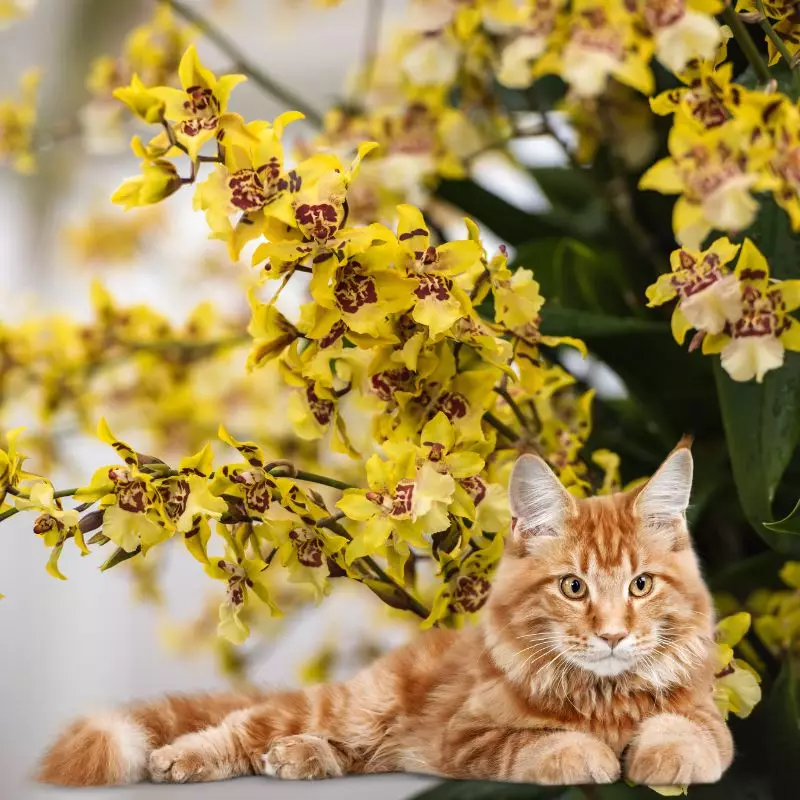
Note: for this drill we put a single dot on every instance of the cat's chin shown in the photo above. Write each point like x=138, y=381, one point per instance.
x=608, y=667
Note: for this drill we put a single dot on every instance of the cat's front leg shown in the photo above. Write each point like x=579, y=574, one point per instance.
x=567, y=758
x=558, y=758
x=671, y=749
x=212, y=754
x=305, y=756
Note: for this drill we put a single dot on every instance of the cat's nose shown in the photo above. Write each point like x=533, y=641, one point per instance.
x=612, y=639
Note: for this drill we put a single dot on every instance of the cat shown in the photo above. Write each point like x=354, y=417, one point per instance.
x=593, y=659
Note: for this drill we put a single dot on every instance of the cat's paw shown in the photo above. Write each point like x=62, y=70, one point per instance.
x=303, y=757
x=672, y=750
x=177, y=764
x=569, y=758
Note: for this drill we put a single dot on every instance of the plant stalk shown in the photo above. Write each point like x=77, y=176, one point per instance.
x=244, y=64
x=779, y=44
x=745, y=40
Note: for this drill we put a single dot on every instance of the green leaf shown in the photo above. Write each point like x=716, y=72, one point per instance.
x=570, y=322
x=744, y=576
x=574, y=200
x=781, y=719
x=510, y=223
x=564, y=186
x=118, y=557
x=773, y=235
x=789, y=524
x=762, y=428
x=782, y=75
x=490, y=790
x=575, y=275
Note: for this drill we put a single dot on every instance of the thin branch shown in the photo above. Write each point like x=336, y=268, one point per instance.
x=617, y=196
x=501, y=427
x=372, y=35
x=56, y=495
x=745, y=40
x=244, y=64
x=778, y=43
x=523, y=420
x=414, y=605
x=311, y=477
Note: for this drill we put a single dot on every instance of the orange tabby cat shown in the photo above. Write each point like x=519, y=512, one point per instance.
x=594, y=658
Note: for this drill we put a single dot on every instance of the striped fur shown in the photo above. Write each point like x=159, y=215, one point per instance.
x=517, y=698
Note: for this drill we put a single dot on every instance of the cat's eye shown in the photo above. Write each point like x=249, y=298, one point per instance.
x=641, y=585
x=573, y=587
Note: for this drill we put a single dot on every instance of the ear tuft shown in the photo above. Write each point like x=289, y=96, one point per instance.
x=665, y=497
x=539, y=503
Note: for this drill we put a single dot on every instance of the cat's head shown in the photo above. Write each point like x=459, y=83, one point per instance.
x=606, y=588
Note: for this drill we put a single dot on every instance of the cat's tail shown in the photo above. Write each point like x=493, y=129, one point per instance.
x=113, y=748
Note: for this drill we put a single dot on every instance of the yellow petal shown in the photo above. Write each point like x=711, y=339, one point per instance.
x=731, y=630
x=662, y=177
x=192, y=73
x=679, y=325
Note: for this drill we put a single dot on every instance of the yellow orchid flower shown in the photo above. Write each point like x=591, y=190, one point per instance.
x=439, y=301
x=777, y=623
x=755, y=343
x=242, y=576
x=310, y=229
x=362, y=291
x=403, y=499
x=11, y=461
x=785, y=160
x=133, y=509
x=54, y=524
x=533, y=25
x=249, y=481
x=599, y=42
x=199, y=109
x=13, y=10
x=271, y=332
x=251, y=182
x=144, y=102
x=312, y=410
x=704, y=100
x=736, y=687
x=709, y=295
x=154, y=49
x=187, y=496
x=683, y=32
x=625, y=124
x=715, y=176
x=467, y=583
x=303, y=550
x=17, y=122
x=159, y=179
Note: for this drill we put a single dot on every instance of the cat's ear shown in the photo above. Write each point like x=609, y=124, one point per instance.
x=539, y=503
x=663, y=501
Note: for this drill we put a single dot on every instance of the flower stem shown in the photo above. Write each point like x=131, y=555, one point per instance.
x=615, y=193
x=745, y=40
x=779, y=44
x=501, y=427
x=311, y=477
x=512, y=404
x=17, y=493
x=372, y=35
x=413, y=604
x=244, y=64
